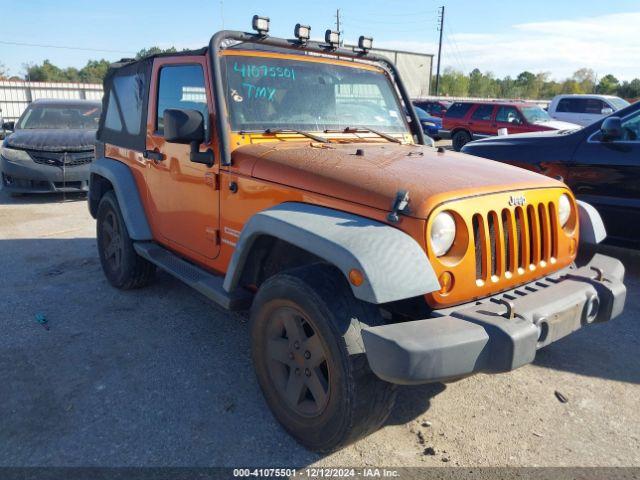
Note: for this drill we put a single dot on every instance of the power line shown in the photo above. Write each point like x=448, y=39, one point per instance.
x=441, y=29
x=21, y=44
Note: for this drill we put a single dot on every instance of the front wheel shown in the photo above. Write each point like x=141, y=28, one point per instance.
x=309, y=360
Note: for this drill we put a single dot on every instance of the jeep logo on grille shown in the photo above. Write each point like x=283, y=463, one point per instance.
x=517, y=200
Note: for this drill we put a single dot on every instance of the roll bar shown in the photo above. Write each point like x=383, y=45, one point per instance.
x=215, y=45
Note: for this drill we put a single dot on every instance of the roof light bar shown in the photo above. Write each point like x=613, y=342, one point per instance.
x=260, y=24
x=332, y=38
x=365, y=43
x=302, y=32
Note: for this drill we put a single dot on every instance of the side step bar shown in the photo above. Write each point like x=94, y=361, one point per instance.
x=208, y=284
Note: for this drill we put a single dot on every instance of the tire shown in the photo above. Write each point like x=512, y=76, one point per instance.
x=334, y=398
x=460, y=139
x=122, y=266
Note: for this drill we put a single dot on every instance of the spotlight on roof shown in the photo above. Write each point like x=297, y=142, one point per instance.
x=365, y=43
x=260, y=24
x=302, y=32
x=332, y=38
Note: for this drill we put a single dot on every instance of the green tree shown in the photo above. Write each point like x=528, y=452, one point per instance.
x=94, y=71
x=608, y=85
x=454, y=83
x=146, y=52
x=586, y=78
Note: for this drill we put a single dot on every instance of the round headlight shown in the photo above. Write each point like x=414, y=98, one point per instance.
x=564, y=209
x=443, y=233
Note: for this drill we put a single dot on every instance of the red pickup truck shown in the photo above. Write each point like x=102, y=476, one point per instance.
x=466, y=121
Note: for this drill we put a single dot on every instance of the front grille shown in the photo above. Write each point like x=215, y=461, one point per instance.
x=513, y=241
x=58, y=159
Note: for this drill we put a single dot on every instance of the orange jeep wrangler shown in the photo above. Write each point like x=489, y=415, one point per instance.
x=284, y=176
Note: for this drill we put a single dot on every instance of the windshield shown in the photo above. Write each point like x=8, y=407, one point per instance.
x=61, y=117
x=275, y=93
x=422, y=115
x=535, y=114
x=618, y=103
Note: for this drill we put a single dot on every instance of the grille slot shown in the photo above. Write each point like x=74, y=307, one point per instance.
x=514, y=240
x=58, y=159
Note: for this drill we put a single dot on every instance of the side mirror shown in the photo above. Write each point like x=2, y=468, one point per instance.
x=607, y=111
x=187, y=126
x=611, y=129
x=183, y=126
x=11, y=126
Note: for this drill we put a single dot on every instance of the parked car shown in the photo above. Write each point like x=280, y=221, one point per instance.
x=466, y=121
x=50, y=147
x=366, y=259
x=430, y=125
x=601, y=164
x=435, y=108
x=584, y=109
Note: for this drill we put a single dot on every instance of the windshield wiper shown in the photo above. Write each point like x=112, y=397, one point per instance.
x=299, y=132
x=386, y=136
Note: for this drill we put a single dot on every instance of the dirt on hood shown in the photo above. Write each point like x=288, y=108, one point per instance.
x=372, y=174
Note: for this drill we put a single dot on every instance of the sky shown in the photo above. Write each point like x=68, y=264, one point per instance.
x=503, y=37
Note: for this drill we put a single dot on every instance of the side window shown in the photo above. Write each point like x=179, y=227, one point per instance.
x=594, y=106
x=567, y=105
x=483, y=112
x=125, y=104
x=458, y=110
x=631, y=128
x=508, y=115
x=181, y=86
x=436, y=108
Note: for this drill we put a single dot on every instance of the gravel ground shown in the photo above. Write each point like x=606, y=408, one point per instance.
x=162, y=377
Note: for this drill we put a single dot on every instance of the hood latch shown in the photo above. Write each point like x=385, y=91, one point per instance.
x=400, y=205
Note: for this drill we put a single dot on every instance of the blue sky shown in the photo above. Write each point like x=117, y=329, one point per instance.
x=499, y=36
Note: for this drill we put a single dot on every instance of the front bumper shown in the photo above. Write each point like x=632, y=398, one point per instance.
x=501, y=333
x=32, y=177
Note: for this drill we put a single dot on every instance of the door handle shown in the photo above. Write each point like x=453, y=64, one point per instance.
x=153, y=155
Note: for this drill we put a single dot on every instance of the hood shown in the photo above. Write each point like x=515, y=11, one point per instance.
x=559, y=125
x=52, y=140
x=372, y=174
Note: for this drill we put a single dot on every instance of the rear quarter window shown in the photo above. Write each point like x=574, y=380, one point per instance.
x=458, y=110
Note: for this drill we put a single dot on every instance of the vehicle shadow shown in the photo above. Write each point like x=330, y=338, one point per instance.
x=39, y=198
x=161, y=377
x=608, y=350
x=154, y=376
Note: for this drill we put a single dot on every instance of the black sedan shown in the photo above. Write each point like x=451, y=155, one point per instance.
x=51, y=147
x=600, y=163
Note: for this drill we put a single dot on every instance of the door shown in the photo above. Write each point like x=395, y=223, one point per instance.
x=606, y=174
x=510, y=118
x=480, y=122
x=183, y=195
x=582, y=111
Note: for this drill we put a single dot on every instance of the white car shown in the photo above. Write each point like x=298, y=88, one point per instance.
x=584, y=109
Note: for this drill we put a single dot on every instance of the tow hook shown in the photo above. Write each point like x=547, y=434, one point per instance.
x=510, y=314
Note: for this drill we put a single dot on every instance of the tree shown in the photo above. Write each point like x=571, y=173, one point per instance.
x=94, y=71
x=454, y=83
x=608, y=85
x=146, y=52
x=4, y=73
x=586, y=78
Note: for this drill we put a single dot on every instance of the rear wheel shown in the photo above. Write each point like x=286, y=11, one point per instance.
x=309, y=360
x=460, y=139
x=122, y=266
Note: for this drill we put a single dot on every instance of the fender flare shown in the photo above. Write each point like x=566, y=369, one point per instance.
x=395, y=267
x=127, y=194
x=592, y=230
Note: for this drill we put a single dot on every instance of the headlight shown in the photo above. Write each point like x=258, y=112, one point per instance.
x=443, y=233
x=14, y=155
x=564, y=209
x=428, y=124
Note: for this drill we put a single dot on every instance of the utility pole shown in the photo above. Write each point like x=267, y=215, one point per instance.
x=441, y=28
x=338, y=24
